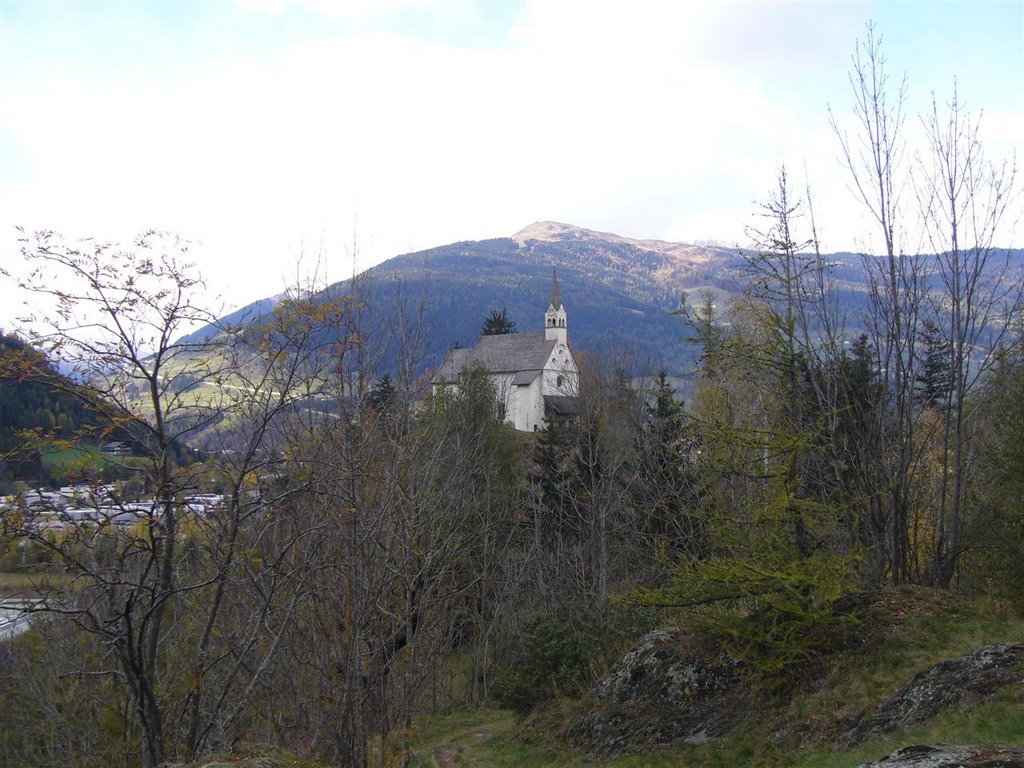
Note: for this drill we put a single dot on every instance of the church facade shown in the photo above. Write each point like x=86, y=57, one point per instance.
x=535, y=374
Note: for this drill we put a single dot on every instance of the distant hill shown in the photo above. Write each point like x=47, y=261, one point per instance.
x=36, y=398
x=30, y=405
x=619, y=292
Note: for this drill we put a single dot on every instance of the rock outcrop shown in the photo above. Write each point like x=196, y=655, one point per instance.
x=947, y=686
x=937, y=756
x=660, y=691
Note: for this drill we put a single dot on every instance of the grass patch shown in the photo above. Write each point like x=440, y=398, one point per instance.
x=29, y=584
x=493, y=739
x=903, y=632
x=474, y=736
x=489, y=739
x=999, y=723
x=86, y=457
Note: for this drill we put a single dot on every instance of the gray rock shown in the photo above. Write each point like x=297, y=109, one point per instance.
x=662, y=690
x=949, y=685
x=938, y=756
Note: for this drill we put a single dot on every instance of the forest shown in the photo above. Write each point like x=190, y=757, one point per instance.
x=382, y=553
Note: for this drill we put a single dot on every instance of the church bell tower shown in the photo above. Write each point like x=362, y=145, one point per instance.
x=555, y=317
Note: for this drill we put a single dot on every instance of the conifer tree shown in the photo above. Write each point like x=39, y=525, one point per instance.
x=498, y=323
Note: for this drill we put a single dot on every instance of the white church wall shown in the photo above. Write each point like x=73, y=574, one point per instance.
x=530, y=407
x=505, y=390
x=561, y=375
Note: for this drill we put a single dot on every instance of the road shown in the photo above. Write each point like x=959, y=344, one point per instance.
x=14, y=619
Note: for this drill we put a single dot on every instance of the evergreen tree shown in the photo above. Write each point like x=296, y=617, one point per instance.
x=935, y=378
x=498, y=323
x=553, y=480
x=382, y=394
x=664, y=491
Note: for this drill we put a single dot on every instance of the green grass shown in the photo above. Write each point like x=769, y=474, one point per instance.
x=1000, y=723
x=907, y=631
x=85, y=457
x=489, y=739
x=904, y=632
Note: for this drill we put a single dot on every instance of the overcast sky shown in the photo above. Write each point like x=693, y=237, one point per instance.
x=269, y=129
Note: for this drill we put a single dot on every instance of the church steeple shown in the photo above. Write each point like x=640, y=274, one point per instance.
x=556, y=296
x=555, y=319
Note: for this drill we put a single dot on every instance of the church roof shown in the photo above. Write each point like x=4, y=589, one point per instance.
x=522, y=354
x=564, y=405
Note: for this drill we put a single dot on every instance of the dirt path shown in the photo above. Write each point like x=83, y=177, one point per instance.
x=463, y=745
x=445, y=757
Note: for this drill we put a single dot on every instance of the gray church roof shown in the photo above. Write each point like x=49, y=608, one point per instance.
x=522, y=354
x=563, y=405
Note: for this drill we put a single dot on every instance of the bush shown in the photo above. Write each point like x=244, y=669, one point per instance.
x=562, y=653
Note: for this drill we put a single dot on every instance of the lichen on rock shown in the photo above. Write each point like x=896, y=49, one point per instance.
x=938, y=756
x=662, y=690
x=947, y=686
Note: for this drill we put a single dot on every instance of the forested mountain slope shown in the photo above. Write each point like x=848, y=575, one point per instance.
x=620, y=292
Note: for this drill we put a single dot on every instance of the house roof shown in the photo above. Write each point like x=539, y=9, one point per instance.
x=522, y=354
x=564, y=405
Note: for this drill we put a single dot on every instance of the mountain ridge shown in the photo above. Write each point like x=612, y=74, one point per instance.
x=620, y=292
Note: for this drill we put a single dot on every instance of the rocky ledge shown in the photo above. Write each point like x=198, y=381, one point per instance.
x=937, y=756
x=947, y=686
x=660, y=691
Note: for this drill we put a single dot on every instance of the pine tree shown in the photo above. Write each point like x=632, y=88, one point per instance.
x=498, y=323
x=935, y=378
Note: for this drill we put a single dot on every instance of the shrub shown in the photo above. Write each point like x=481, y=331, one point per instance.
x=562, y=653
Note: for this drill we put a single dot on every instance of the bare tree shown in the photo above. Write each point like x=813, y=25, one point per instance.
x=874, y=156
x=964, y=201
x=175, y=594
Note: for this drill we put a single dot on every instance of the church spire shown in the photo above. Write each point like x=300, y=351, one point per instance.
x=556, y=296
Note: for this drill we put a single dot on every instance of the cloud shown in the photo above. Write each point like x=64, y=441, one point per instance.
x=651, y=121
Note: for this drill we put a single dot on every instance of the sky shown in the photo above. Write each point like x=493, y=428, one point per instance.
x=287, y=137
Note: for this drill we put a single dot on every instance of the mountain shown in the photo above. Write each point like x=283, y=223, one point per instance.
x=620, y=292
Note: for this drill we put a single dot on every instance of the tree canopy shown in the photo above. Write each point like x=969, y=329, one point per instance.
x=498, y=323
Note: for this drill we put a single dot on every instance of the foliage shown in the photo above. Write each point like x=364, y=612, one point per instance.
x=379, y=552
x=768, y=414
x=904, y=631
x=563, y=653
x=35, y=414
x=935, y=379
x=993, y=563
x=498, y=323
x=176, y=598
x=665, y=493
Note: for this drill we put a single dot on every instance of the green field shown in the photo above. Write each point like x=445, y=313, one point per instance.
x=85, y=456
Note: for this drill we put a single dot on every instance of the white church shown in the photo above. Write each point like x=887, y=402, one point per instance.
x=535, y=374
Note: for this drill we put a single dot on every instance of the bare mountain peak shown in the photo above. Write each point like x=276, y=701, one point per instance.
x=554, y=231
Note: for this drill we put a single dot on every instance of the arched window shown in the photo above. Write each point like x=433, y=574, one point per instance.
x=559, y=381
